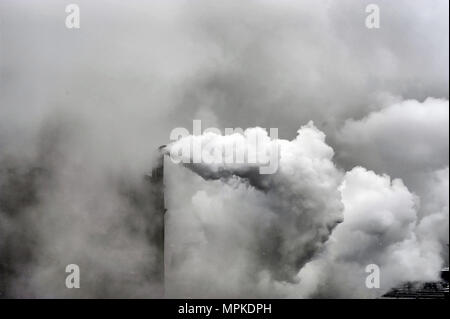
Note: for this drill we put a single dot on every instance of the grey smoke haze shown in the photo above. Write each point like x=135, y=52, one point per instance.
x=83, y=111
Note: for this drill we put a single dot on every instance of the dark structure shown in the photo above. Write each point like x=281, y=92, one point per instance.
x=157, y=189
x=422, y=290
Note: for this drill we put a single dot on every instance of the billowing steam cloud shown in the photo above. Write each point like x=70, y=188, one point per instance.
x=82, y=113
x=302, y=196
x=407, y=140
x=302, y=204
x=408, y=137
x=381, y=227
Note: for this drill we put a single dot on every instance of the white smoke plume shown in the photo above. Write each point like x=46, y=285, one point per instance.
x=381, y=227
x=302, y=204
x=407, y=140
x=82, y=113
x=301, y=198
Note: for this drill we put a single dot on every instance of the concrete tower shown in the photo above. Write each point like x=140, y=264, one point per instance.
x=158, y=202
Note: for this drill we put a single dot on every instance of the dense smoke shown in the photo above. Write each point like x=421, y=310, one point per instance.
x=82, y=113
x=408, y=137
x=301, y=199
x=57, y=210
x=298, y=208
x=381, y=227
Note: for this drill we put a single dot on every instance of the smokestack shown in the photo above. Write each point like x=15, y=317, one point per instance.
x=157, y=188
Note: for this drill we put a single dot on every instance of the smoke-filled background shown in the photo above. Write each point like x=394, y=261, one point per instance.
x=82, y=113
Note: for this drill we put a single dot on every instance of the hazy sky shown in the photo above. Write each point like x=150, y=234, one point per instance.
x=91, y=105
